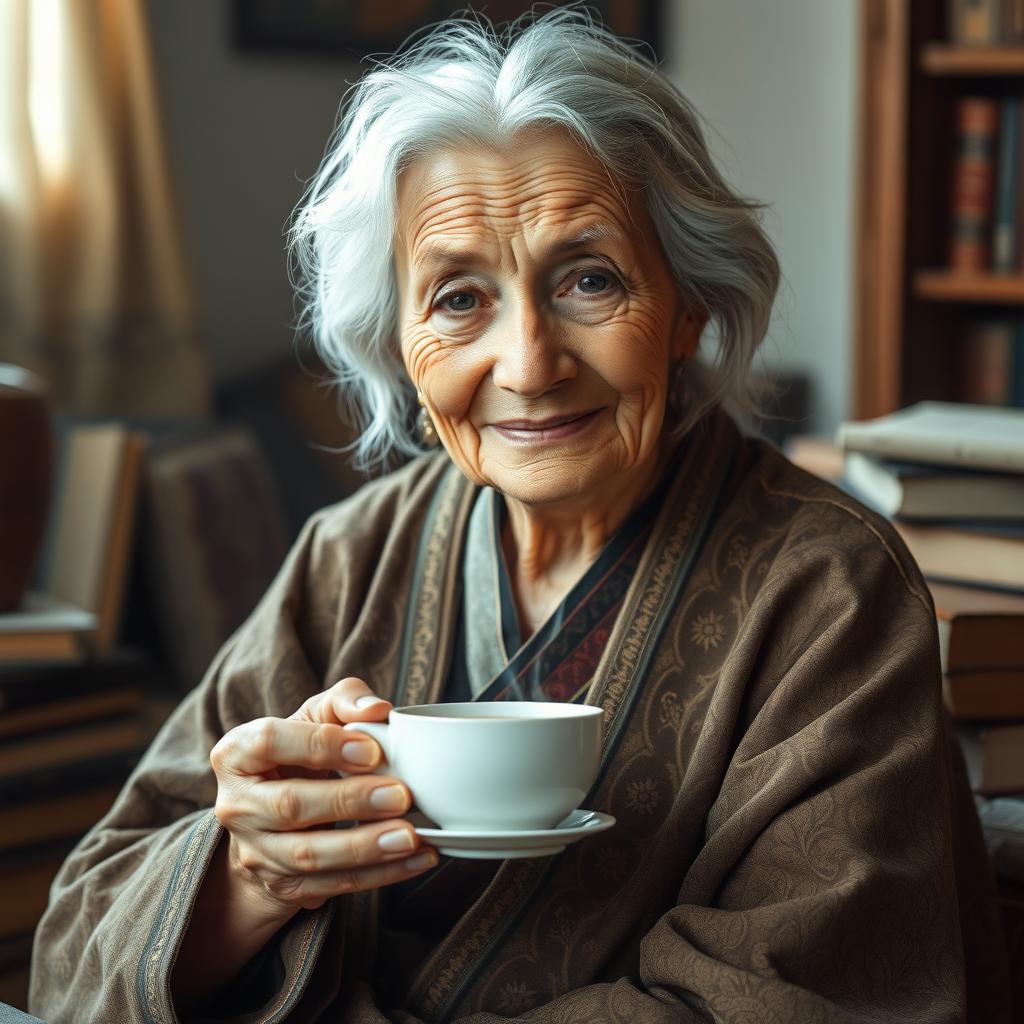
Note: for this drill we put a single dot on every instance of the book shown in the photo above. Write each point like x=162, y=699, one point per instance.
x=947, y=433
x=974, y=22
x=1005, y=227
x=1017, y=369
x=1002, y=822
x=987, y=352
x=25, y=880
x=920, y=491
x=79, y=608
x=965, y=556
x=1018, y=261
x=44, y=626
x=41, y=684
x=70, y=777
x=977, y=123
x=978, y=629
x=986, y=694
x=1013, y=21
x=54, y=714
x=59, y=816
x=994, y=755
x=62, y=747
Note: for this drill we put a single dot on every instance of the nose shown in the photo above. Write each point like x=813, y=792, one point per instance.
x=531, y=357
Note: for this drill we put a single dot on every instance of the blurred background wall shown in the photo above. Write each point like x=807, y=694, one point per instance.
x=244, y=130
x=778, y=83
x=776, y=80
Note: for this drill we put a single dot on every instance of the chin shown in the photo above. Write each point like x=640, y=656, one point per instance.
x=555, y=483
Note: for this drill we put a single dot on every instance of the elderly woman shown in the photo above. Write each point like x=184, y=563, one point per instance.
x=526, y=233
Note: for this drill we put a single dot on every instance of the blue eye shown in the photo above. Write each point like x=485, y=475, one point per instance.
x=592, y=284
x=460, y=302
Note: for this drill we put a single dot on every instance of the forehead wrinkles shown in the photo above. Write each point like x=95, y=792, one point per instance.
x=501, y=197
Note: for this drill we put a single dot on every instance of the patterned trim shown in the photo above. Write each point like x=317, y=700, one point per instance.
x=313, y=936
x=451, y=970
x=153, y=977
x=161, y=949
x=426, y=646
x=671, y=551
x=674, y=547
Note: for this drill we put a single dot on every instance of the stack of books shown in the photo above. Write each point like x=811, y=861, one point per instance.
x=70, y=734
x=76, y=610
x=76, y=711
x=951, y=479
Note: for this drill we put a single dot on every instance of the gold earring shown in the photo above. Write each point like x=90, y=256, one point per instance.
x=677, y=387
x=425, y=425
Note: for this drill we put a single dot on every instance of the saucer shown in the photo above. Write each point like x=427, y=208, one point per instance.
x=542, y=842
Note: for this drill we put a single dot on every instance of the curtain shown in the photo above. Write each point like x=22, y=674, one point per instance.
x=94, y=289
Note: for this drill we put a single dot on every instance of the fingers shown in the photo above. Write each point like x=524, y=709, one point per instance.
x=349, y=700
x=312, y=891
x=309, y=853
x=264, y=744
x=292, y=804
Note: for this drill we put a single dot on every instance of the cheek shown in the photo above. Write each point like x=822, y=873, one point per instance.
x=447, y=375
x=635, y=364
x=421, y=352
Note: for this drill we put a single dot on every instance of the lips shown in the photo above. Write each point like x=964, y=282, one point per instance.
x=546, y=424
x=541, y=431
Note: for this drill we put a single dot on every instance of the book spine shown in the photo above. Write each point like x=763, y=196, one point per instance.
x=1004, y=229
x=1017, y=373
x=1018, y=230
x=1013, y=25
x=987, y=362
x=973, y=173
x=974, y=22
x=972, y=453
x=97, y=771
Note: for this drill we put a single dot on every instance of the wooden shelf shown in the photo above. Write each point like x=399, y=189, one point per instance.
x=943, y=59
x=948, y=286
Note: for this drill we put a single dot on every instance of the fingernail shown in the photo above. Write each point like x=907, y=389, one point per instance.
x=369, y=700
x=388, y=798
x=426, y=859
x=358, y=752
x=397, y=841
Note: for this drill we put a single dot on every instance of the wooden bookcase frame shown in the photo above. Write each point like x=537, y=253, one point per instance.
x=910, y=311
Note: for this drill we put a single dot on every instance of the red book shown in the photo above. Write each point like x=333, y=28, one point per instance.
x=977, y=119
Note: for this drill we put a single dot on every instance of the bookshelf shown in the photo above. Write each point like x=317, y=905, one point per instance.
x=912, y=311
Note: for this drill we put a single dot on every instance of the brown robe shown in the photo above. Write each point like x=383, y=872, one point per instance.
x=795, y=841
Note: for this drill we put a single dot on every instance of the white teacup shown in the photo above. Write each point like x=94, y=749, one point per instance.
x=494, y=766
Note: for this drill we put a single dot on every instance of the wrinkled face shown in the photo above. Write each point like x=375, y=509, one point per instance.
x=538, y=318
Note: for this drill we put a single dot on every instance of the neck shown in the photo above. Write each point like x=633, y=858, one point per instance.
x=548, y=548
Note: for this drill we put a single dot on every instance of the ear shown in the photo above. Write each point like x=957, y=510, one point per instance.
x=689, y=326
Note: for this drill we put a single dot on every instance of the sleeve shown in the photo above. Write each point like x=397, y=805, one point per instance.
x=119, y=907
x=824, y=892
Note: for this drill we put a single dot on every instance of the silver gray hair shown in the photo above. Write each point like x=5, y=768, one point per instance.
x=466, y=82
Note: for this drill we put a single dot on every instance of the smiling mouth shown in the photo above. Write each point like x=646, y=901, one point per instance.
x=554, y=428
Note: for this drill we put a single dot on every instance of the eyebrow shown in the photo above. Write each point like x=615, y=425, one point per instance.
x=437, y=253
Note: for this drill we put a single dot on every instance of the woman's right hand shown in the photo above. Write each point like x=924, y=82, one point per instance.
x=278, y=797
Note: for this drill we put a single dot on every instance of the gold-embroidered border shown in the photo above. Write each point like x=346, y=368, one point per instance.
x=181, y=890
x=511, y=884
x=674, y=538
x=157, y=998
x=435, y=591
